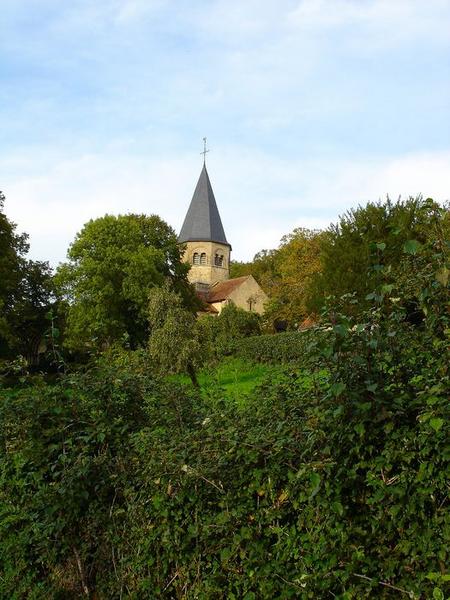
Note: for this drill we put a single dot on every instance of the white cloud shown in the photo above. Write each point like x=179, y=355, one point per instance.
x=260, y=197
x=379, y=22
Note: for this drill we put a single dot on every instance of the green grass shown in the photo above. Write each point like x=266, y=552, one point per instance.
x=233, y=378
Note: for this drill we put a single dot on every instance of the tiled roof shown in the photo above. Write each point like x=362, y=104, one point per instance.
x=202, y=221
x=222, y=290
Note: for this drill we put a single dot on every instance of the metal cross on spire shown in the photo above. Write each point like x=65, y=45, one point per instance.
x=204, y=151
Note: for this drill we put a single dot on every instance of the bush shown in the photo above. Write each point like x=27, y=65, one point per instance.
x=326, y=483
x=375, y=235
x=220, y=335
x=281, y=348
x=64, y=466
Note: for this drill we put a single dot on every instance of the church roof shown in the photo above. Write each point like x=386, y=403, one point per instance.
x=202, y=221
x=220, y=291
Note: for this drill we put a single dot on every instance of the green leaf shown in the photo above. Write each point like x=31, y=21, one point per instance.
x=381, y=246
x=337, y=388
x=315, y=482
x=436, y=423
x=438, y=594
x=411, y=246
x=338, y=508
x=387, y=288
x=340, y=330
x=360, y=429
x=225, y=554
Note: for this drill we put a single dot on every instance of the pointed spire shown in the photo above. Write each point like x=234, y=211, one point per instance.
x=202, y=221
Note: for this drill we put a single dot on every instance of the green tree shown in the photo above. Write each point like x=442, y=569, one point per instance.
x=28, y=317
x=298, y=261
x=13, y=248
x=25, y=294
x=114, y=262
x=370, y=243
x=173, y=344
x=285, y=274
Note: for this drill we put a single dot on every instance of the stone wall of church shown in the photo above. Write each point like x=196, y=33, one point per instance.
x=249, y=296
x=210, y=262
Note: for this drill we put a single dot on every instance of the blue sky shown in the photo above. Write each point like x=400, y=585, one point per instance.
x=310, y=107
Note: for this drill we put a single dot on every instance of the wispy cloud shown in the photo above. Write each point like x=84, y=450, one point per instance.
x=260, y=197
x=311, y=106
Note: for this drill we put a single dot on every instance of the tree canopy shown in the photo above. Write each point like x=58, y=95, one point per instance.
x=25, y=293
x=113, y=264
x=13, y=247
x=174, y=344
x=285, y=274
x=373, y=240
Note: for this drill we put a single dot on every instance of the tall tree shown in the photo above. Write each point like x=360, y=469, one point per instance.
x=372, y=241
x=113, y=264
x=285, y=274
x=28, y=318
x=25, y=294
x=174, y=343
x=13, y=248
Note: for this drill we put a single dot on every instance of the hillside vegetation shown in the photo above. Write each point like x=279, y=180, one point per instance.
x=216, y=461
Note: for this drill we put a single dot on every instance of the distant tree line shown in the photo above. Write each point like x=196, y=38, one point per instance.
x=310, y=266
x=100, y=296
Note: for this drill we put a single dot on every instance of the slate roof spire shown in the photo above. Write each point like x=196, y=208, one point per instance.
x=202, y=222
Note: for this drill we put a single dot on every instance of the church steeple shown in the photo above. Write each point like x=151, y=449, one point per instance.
x=207, y=248
x=202, y=221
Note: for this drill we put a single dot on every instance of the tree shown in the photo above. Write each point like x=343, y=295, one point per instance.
x=114, y=262
x=13, y=248
x=285, y=274
x=298, y=260
x=173, y=344
x=28, y=318
x=25, y=294
x=370, y=242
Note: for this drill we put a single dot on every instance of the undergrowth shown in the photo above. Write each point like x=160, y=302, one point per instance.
x=330, y=481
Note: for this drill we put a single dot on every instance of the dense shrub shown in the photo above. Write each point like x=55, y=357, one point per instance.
x=329, y=482
x=65, y=460
x=377, y=233
x=287, y=347
x=222, y=334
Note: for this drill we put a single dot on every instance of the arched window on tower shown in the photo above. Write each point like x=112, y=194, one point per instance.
x=196, y=258
x=203, y=258
x=218, y=260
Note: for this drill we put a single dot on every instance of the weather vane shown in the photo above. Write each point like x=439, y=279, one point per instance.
x=204, y=151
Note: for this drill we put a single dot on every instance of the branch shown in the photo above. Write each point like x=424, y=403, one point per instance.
x=392, y=587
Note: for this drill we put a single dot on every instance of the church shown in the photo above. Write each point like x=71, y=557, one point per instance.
x=208, y=253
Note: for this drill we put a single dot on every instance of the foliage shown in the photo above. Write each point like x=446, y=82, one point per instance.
x=63, y=469
x=173, y=344
x=285, y=274
x=282, y=348
x=28, y=319
x=376, y=234
x=25, y=294
x=330, y=480
x=114, y=262
x=219, y=335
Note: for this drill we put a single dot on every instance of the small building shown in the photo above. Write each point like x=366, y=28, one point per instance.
x=208, y=253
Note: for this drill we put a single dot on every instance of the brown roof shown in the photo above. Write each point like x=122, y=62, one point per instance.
x=223, y=289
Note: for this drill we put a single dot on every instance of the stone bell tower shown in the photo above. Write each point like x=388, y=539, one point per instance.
x=207, y=249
